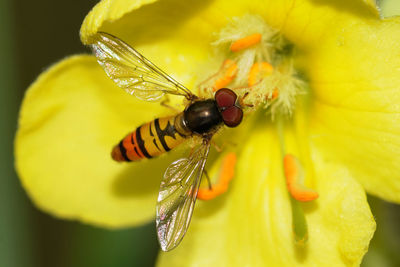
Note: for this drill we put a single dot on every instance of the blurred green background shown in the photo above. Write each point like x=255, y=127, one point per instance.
x=35, y=34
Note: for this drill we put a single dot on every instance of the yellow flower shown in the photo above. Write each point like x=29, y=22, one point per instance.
x=345, y=131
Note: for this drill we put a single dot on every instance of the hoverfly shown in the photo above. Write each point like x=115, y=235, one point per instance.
x=202, y=117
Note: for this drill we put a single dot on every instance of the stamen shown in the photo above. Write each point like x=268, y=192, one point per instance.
x=275, y=94
x=258, y=71
x=299, y=223
x=245, y=42
x=294, y=180
x=229, y=69
x=263, y=62
x=226, y=175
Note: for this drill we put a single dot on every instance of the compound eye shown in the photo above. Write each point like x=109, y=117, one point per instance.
x=232, y=116
x=225, y=98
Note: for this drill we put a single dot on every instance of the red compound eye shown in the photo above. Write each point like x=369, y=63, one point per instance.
x=232, y=116
x=225, y=98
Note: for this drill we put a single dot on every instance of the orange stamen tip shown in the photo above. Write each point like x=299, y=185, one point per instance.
x=229, y=69
x=227, y=63
x=293, y=174
x=226, y=175
x=275, y=94
x=246, y=42
x=258, y=71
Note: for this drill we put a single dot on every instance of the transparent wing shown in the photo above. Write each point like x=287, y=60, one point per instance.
x=177, y=196
x=132, y=71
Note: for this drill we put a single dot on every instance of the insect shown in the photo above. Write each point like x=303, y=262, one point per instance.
x=202, y=117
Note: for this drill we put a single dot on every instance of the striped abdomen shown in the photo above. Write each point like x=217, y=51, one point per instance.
x=149, y=140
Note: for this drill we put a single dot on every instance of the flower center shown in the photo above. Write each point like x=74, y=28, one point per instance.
x=257, y=64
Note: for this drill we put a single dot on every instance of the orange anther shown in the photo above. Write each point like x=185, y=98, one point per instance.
x=226, y=175
x=258, y=71
x=229, y=69
x=246, y=42
x=294, y=177
x=274, y=95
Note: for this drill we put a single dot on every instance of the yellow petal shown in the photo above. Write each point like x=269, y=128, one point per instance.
x=252, y=224
x=107, y=11
x=70, y=119
x=373, y=5
x=148, y=20
x=160, y=31
x=355, y=77
x=176, y=35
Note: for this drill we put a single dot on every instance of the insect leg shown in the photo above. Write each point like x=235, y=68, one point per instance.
x=208, y=180
x=241, y=101
x=165, y=103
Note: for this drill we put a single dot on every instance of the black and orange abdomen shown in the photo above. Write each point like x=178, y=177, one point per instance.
x=149, y=140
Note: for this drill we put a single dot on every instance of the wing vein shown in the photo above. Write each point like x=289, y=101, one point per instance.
x=176, y=203
x=131, y=71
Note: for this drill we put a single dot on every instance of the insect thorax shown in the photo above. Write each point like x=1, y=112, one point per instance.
x=202, y=116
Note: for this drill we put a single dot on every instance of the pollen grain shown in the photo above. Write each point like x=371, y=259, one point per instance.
x=246, y=42
x=258, y=71
x=229, y=69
